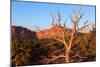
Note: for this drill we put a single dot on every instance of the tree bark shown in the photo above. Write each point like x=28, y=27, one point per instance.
x=67, y=58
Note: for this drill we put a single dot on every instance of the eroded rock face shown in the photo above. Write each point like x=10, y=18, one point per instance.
x=53, y=31
x=21, y=32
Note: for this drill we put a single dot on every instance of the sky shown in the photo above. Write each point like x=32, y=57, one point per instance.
x=28, y=14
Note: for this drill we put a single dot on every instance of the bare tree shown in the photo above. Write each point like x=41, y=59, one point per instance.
x=75, y=17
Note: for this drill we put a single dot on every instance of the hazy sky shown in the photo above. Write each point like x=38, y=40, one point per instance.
x=28, y=14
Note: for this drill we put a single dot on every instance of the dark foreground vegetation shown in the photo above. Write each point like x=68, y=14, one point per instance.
x=46, y=51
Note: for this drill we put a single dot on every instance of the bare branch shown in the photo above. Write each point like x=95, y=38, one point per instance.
x=85, y=22
x=53, y=18
x=77, y=55
x=70, y=16
x=65, y=23
x=51, y=58
x=79, y=17
x=58, y=39
x=62, y=41
x=83, y=27
x=75, y=18
x=59, y=17
x=55, y=58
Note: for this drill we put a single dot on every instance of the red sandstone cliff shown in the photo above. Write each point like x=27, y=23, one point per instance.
x=53, y=31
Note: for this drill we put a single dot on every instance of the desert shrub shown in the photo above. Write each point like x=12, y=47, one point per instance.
x=28, y=51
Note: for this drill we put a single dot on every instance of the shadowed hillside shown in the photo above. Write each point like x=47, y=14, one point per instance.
x=22, y=33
